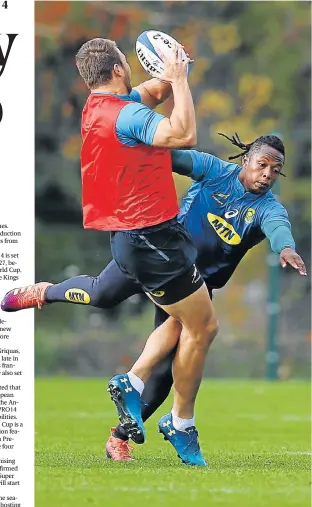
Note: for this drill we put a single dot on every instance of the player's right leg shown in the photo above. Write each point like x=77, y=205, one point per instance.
x=158, y=387
x=197, y=315
x=200, y=327
x=108, y=289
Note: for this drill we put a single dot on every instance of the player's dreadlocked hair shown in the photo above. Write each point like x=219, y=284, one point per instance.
x=273, y=141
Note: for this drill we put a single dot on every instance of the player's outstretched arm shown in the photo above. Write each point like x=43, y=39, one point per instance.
x=198, y=165
x=154, y=92
x=182, y=162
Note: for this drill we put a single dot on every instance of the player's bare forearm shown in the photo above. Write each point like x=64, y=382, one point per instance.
x=178, y=131
x=159, y=90
x=154, y=92
x=182, y=117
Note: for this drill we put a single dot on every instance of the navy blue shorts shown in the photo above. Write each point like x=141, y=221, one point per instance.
x=157, y=256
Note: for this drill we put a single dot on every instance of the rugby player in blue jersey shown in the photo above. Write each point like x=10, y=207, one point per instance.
x=228, y=209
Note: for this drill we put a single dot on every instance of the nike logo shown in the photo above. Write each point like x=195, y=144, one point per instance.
x=196, y=275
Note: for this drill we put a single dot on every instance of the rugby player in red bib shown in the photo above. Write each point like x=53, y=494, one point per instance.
x=128, y=189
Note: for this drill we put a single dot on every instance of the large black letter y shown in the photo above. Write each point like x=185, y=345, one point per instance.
x=4, y=58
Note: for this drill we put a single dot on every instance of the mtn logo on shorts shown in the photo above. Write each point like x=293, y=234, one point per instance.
x=158, y=293
x=77, y=296
x=224, y=230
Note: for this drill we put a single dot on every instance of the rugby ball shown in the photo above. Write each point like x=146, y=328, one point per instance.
x=146, y=45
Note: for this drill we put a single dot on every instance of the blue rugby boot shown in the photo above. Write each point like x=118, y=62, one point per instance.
x=185, y=442
x=128, y=404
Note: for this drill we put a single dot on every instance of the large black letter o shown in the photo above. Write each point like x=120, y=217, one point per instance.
x=1, y=112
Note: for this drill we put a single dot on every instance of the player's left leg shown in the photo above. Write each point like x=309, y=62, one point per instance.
x=106, y=290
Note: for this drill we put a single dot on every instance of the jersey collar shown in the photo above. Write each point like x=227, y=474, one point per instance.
x=122, y=97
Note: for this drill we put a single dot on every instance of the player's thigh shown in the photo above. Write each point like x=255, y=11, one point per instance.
x=186, y=298
x=195, y=312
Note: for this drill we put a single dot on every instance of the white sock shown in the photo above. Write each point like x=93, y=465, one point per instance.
x=181, y=424
x=136, y=382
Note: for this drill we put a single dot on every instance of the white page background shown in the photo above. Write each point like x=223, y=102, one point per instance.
x=17, y=211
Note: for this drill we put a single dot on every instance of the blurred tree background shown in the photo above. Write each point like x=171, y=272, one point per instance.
x=251, y=75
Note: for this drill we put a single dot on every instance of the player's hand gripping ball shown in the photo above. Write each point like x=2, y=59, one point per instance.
x=146, y=48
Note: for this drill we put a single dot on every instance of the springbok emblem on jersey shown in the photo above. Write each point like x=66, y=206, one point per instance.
x=167, y=425
x=128, y=389
x=250, y=215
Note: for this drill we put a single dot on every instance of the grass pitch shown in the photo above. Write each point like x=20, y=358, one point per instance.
x=255, y=435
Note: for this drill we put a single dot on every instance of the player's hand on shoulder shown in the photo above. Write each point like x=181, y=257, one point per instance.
x=290, y=256
x=175, y=68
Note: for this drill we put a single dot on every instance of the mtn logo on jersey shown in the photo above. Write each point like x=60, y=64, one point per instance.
x=224, y=230
x=250, y=215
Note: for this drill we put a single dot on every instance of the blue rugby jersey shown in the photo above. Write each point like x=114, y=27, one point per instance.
x=223, y=219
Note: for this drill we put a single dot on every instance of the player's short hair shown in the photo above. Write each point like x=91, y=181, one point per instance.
x=272, y=141
x=95, y=61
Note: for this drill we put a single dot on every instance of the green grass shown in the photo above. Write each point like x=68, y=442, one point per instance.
x=255, y=435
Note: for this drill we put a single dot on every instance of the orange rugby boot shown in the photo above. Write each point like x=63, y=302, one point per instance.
x=25, y=297
x=117, y=449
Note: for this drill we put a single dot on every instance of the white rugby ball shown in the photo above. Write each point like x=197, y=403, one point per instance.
x=146, y=46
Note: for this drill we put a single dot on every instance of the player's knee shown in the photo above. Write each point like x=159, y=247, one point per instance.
x=100, y=296
x=209, y=332
x=101, y=301
x=174, y=326
x=204, y=335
